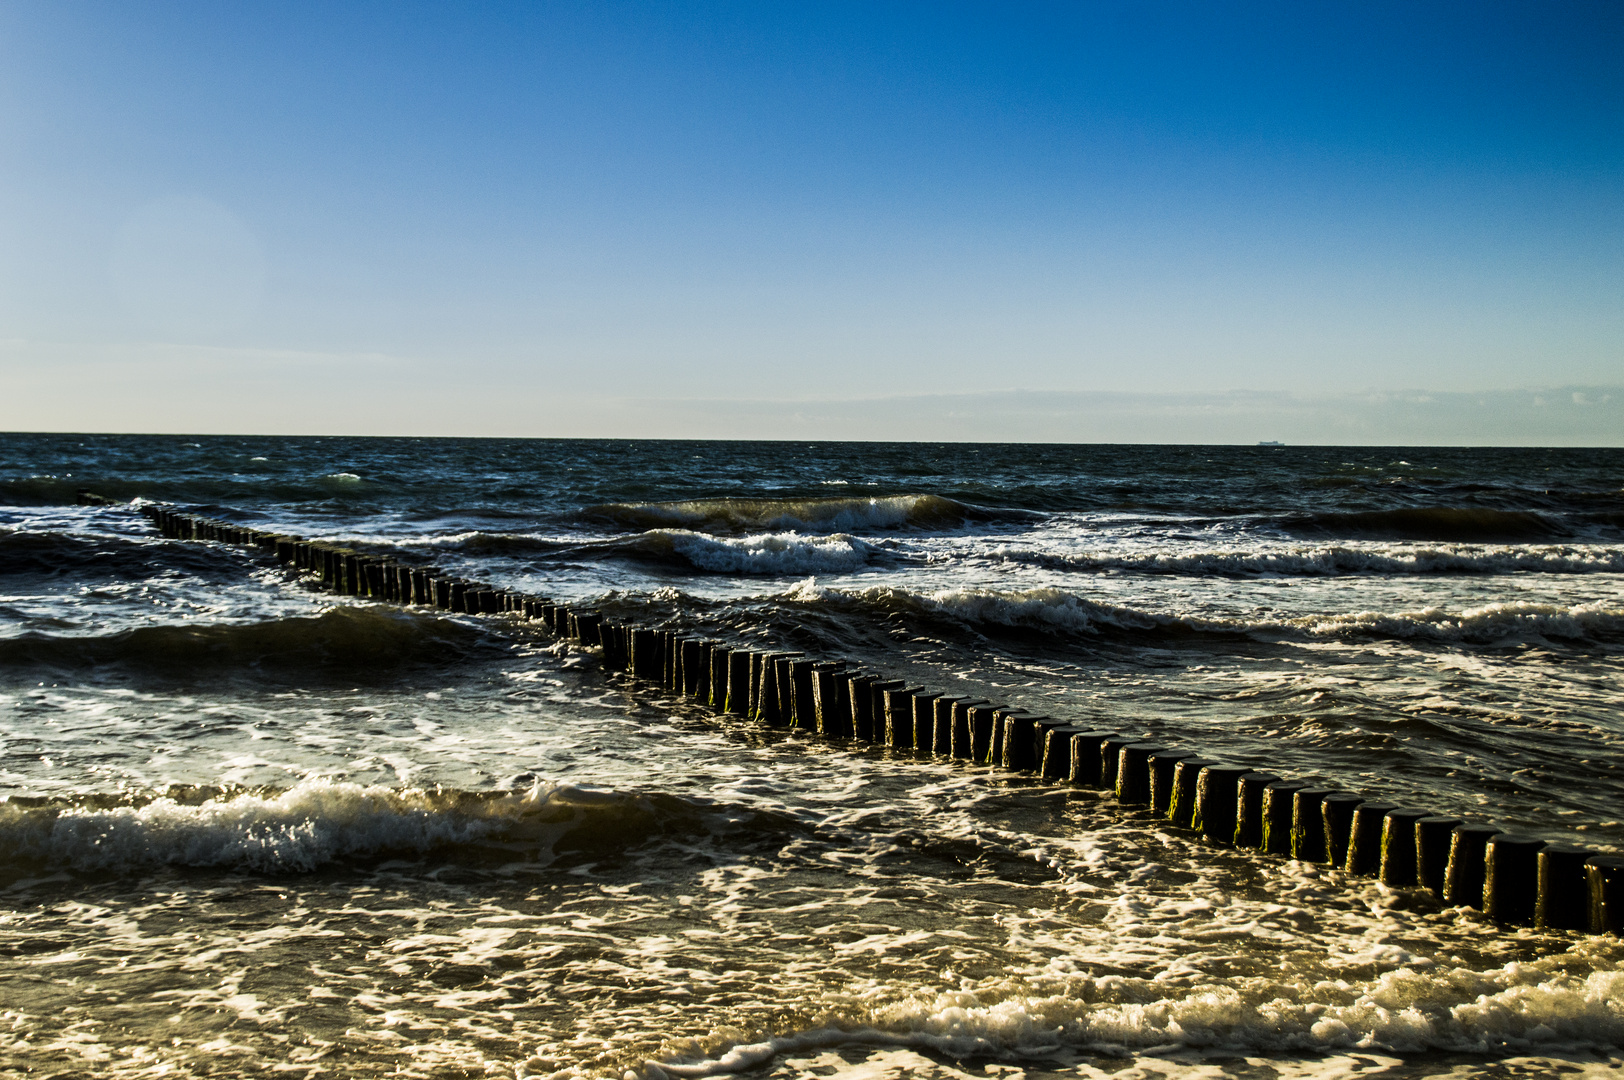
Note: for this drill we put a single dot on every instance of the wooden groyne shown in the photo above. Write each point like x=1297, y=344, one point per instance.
x=1516, y=880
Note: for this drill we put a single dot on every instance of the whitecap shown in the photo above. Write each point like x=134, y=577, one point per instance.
x=773, y=553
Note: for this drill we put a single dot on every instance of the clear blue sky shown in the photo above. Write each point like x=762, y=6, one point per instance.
x=517, y=218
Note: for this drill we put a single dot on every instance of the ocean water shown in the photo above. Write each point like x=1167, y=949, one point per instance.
x=253, y=829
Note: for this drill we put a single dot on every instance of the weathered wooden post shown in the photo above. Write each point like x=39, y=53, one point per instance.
x=1563, y=893
x=1249, y=809
x=1186, y=784
x=1308, y=824
x=1511, y=878
x=1399, y=859
x=1463, y=877
x=899, y=717
x=1336, y=811
x=924, y=713
x=1133, y=772
x=1217, y=794
x=1365, y=838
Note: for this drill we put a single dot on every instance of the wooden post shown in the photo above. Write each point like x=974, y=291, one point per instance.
x=983, y=723
x=614, y=649
x=1019, y=749
x=1604, y=875
x=695, y=667
x=924, y=721
x=1186, y=783
x=1308, y=824
x=1433, y=835
x=671, y=646
x=871, y=727
x=803, y=696
x=1133, y=772
x=831, y=700
x=1511, y=879
x=898, y=713
x=1399, y=857
x=1055, y=763
x=1249, y=809
x=1336, y=810
x=648, y=658
x=740, y=663
x=1279, y=800
x=860, y=700
x=1463, y=877
x=767, y=697
x=1086, y=755
x=1217, y=793
x=717, y=698
x=961, y=740
x=1365, y=841
x=1563, y=898
x=1111, y=758
x=785, y=686
x=942, y=724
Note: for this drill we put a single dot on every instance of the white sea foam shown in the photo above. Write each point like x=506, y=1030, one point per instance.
x=442, y=540
x=1516, y=620
x=834, y=514
x=1523, y=1007
x=759, y=553
x=300, y=829
x=1062, y=610
x=1335, y=560
x=772, y=553
x=1152, y=975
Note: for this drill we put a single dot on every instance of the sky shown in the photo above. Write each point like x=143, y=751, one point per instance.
x=828, y=220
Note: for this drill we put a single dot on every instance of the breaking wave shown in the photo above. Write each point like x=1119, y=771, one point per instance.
x=1336, y=561
x=828, y=515
x=779, y=553
x=480, y=542
x=1060, y=611
x=767, y=553
x=319, y=822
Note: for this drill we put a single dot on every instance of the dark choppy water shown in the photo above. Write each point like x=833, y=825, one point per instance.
x=253, y=829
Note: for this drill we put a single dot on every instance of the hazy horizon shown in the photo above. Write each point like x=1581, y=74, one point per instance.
x=1550, y=418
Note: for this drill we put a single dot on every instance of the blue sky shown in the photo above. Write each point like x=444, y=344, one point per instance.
x=539, y=219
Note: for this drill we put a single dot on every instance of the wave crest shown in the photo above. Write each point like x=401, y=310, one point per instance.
x=302, y=828
x=320, y=822
x=1057, y=610
x=766, y=553
x=1336, y=561
x=348, y=641
x=816, y=515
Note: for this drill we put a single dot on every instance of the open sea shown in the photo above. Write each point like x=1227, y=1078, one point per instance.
x=250, y=828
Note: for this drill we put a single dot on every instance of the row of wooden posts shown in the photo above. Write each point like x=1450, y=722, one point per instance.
x=1516, y=880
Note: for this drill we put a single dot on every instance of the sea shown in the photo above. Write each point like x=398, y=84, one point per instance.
x=254, y=829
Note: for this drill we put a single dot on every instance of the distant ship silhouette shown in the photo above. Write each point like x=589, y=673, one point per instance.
x=1270, y=443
